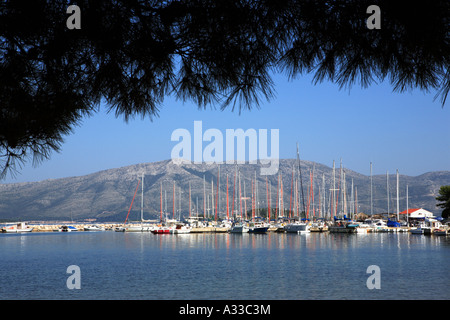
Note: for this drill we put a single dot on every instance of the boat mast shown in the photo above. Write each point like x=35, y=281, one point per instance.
x=277, y=201
x=137, y=187
x=371, y=189
x=407, y=209
x=218, y=192
x=218, y=187
x=334, y=189
x=344, y=186
x=228, y=213
x=212, y=198
x=296, y=200
x=398, y=207
x=253, y=199
x=312, y=191
x=142, y=199
x=204, y=197
x=267, y=200
x=189, y=198
x=239, y=196
x=387, y=187
x=245, y=202
x=160, y=204
x=179, y=203
x=256, y=196
x=300, y=178
x=352, y=202
x=270, y=196
x=281, y=207
x=234, y=194
x=309, y=196
x=324, y=206
x=340, y=187
x=319, y=207
x=292, y=186
x=173, y=200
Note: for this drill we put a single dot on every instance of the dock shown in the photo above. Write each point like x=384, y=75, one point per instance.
x=211, y=228
x=78, y=226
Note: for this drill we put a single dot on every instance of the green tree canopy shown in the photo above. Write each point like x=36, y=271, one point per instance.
x=132, y=54
x=444, y=197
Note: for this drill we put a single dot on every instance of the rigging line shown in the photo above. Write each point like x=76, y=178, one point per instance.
x=139, y=181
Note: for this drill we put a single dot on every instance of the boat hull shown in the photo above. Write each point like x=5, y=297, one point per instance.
x=17, y=228
x=180, y=230
x=239, y=229
x=296, y=228
x=93, y=229
x=258, y=230
x=161, y=231
x=7, y=230
x=66, y=229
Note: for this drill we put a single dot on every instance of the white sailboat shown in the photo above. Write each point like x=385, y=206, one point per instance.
x=239, y=228
x=297, y=227
x=143, y=226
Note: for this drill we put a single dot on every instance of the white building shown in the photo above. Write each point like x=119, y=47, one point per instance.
x=418, y=213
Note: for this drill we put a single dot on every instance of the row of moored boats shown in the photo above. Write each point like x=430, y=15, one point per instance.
x=429, y=226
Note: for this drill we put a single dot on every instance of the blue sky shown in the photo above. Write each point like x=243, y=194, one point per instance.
x=406, y=131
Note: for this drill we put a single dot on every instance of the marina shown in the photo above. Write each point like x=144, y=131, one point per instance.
x=229, y=244
x=210, y=266
x=428, y=226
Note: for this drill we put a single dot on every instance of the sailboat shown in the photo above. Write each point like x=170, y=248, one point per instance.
x=161, y=228
x=298, y=225
x=239, y=227
x=136, y=227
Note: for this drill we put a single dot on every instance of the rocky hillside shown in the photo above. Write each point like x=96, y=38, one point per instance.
x=107, y=195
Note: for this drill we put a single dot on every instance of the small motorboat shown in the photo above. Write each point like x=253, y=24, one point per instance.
x=180, y=229
x=94, y=228
x=66, y=229
x=17, y=228
x=418, y=230
x=161, y=230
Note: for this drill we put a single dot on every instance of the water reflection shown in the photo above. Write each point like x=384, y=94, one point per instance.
x=234, y=266
x=269, y=241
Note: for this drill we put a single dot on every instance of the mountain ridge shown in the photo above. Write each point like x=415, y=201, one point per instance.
x=107, y=194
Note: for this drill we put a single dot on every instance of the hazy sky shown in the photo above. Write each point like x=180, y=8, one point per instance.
x=406, y=131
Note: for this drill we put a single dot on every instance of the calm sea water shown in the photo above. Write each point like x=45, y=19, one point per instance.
x=116, y=265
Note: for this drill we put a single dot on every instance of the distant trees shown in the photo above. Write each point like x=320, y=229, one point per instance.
x=131, y=54
x=444, y=197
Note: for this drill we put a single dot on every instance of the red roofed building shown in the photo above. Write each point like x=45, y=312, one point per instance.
x=418, y=213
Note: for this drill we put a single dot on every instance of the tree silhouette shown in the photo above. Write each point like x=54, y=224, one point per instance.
x=444, y=197
x=132, y=54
